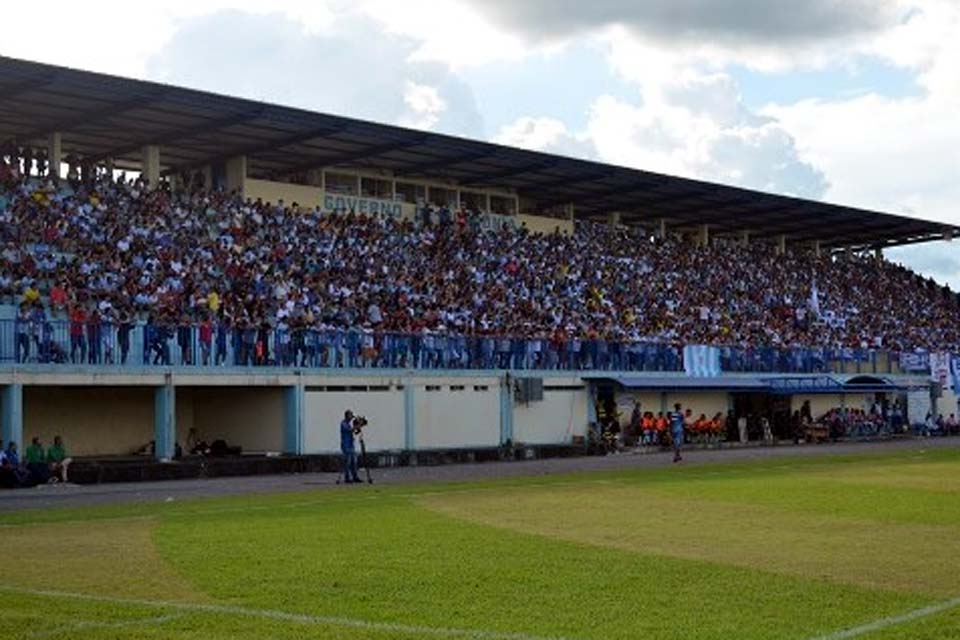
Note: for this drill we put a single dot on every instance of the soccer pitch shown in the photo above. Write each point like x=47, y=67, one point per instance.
x=861, y=546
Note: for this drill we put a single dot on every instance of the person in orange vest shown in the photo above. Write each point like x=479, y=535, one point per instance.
x=660, y=425
x=647, y=426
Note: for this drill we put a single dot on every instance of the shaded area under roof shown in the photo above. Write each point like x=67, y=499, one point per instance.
x=102, y=116
x=776, y=385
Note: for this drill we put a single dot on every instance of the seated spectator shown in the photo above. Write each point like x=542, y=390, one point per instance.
x=58, y=460
x=36, y=462
x=17, y=475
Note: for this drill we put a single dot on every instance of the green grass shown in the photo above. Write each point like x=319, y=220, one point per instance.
x=787, y=548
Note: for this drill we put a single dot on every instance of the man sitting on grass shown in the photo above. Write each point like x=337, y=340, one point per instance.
x=57, y=460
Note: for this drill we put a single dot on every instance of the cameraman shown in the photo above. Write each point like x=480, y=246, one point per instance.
x=347, y=432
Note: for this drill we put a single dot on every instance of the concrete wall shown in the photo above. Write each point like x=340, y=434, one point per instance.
x=323, y=411
x=304, y=195
x=251, y=418
x=821, y=403
x=542, y=224
x=561, y=415
x=447, y=417
x=707, y=402
x=93, y=421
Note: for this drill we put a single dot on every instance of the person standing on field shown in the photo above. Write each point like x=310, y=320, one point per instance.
x=348, y=449
x=676, y=431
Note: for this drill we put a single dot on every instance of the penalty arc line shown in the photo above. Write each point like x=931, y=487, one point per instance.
x=283, y=616
x=883, y=623
x=83, y=626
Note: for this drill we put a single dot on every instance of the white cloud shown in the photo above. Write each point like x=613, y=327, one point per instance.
x=696, y=126
x=425, y=106
x=545, y=134
x=349, y=67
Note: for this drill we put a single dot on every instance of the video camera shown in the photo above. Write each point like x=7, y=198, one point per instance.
x=359, y=422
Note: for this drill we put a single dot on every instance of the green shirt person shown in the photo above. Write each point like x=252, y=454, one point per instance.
x=56, y=452
x=34, y=453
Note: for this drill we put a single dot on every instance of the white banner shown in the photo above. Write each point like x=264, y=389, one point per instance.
x=940, y=368
x=343, y=204
x=701, y=361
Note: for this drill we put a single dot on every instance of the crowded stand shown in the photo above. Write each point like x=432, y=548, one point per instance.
x=103, y=270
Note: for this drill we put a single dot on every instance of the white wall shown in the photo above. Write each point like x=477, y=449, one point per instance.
x=323, y=411
x=451, y=419
x=561, y=415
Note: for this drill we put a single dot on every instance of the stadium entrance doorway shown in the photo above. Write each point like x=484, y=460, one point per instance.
x=756, y=406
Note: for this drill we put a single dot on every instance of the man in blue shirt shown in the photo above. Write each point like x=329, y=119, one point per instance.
x=347, y=449
x=676, y=431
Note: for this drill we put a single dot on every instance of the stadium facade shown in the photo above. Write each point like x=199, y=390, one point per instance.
x=333, y=164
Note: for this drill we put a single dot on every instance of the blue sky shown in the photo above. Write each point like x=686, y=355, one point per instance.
x=849, y=101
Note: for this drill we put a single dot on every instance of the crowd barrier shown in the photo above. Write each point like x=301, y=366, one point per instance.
x=138, y=344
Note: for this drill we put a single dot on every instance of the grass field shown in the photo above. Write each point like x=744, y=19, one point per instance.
x=813, y=548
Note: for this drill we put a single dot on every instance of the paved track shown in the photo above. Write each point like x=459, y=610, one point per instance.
x=48, y=496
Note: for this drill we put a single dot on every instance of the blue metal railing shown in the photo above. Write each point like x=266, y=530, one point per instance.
x=137, y=344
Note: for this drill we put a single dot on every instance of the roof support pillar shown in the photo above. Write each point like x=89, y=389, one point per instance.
x=570, y=211
x=165, y=420
x=703, y=235
x=150, y=165
x=54, y=154
x=781, y=244
x=745, y=238
x=816, y=248
x=878, y=254
x=662, y=231
x=11, y=399
x=486, y=202
x=237, y=174
x=613, y=218
x=948, y=234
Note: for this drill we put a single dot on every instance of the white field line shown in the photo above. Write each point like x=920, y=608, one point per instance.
x=283, y=616
x=329, y=500
x=883, y=623
x=82, y=626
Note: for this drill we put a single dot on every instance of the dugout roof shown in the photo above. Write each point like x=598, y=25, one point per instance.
x=102, y=116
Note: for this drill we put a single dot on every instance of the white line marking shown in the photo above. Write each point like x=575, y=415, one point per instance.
x=284, y=616
x=883, y=623
x=81, y=626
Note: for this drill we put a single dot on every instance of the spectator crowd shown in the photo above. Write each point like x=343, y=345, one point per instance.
x=206, y=269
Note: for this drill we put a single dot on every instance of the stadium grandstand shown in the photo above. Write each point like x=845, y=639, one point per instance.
x=180, y=266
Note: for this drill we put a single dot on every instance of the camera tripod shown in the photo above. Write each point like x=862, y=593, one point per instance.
x=342, y=476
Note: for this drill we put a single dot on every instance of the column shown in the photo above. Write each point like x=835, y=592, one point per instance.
x=745, y=238
x=571, y=211
x=487, y=207
x=662, y=234
x=613, y=218
x=506, y=409
x=54, y=154
x=878, y=254
x=703, y=235
x=164, y=420
x=12, y=427
x=293, y=407
x=816, y=248
x=150, y=165
x=948, y=234
x=409, y=416
x=781, y=244
x=207, y=177
x=237, y=174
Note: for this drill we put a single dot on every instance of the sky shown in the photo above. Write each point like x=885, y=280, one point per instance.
x=847, y=101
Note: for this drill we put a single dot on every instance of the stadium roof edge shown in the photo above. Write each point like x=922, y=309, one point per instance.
x=100, y=116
